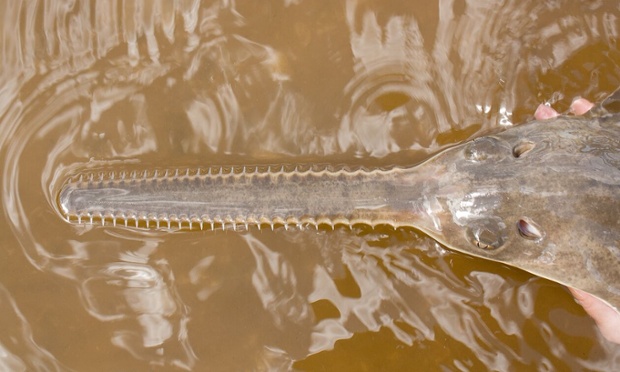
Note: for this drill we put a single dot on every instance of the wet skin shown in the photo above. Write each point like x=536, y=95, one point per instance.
x=605, y=316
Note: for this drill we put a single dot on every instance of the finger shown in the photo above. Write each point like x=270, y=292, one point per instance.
x=607, y=318
x=580, y=106
x=545, y=112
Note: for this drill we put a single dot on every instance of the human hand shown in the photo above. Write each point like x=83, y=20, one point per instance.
x=607, y=318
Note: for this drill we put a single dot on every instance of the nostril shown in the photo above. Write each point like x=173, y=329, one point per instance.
x=529, y=230
x=522, y=148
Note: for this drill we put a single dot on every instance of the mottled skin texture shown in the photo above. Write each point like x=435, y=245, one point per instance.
x=568, y=185
x=542, y=196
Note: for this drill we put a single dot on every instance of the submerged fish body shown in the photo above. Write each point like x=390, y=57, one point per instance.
x=542, y=196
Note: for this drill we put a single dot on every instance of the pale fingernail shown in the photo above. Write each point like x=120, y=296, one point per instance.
x=580, y=106
x=545, y=112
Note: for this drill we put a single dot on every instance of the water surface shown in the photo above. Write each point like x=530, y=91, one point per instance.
x=161, y=84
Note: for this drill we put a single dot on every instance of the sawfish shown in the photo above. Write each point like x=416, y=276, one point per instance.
x=543, y=196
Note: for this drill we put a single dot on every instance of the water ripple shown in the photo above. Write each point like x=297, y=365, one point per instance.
x=99, y=84
x=18, y=350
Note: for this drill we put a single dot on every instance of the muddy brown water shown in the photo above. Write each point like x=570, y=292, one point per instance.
x=164, y=84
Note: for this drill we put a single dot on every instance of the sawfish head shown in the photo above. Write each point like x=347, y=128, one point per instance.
x=542, y=196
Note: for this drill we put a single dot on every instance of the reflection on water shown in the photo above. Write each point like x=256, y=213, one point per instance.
x=144, y=84
x=18, y=351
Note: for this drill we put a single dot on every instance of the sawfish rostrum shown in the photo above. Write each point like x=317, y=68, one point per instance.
x=542, y=196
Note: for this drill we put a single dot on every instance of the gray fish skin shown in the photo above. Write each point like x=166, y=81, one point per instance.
x=552, y=211
x=542, y=196
x=233, y=198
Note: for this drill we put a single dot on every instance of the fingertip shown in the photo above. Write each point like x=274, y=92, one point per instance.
x=577, y=293
x=606, y=317
x=544, y=112
x=580, y=106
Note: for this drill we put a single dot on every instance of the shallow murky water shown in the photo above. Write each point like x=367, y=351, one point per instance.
x=175, y=84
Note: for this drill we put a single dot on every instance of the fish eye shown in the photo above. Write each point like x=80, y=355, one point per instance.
x=482, y=149
x=487, y=234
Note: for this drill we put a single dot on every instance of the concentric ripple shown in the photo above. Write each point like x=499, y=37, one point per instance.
x=90, y=85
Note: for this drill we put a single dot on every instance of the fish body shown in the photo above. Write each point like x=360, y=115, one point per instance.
x=543, y=196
